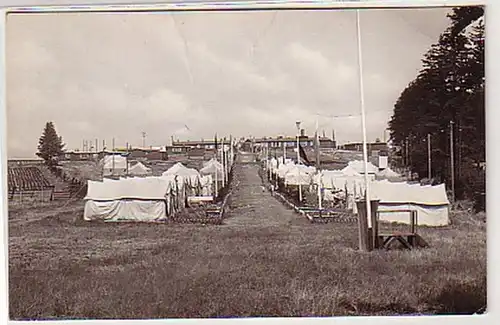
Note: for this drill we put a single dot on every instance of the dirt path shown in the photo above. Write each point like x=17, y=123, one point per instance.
x=251, y=203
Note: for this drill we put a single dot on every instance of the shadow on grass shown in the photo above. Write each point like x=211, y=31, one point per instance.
x=460, y=298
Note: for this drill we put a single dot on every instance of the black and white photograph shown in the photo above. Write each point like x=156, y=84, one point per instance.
x=245, y=163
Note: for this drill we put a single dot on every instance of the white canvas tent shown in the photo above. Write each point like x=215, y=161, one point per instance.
x=211, y=167
x=299, y=174
x=206, y=185
x=359, y=166
x=430, y=202
x=139, y=170
x=346, y=178
x=188, y=176
x=389, y=174
x=132, y=199
x=113, y=165
x=284, y=168
x=180, y=170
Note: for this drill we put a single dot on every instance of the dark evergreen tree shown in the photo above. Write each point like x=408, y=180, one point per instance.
x=50, y=145
x=448, y=92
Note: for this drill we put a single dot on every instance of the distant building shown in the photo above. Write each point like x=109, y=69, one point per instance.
x=201, y=144
x=147, y=153
x=247, y=145
x=76, y=155
x=373, y=147
x=327, y=143
x=291, y=141
x=132, y=153
x=18, y=162
x=208, y=145
x=197, y=153
x=177, y=149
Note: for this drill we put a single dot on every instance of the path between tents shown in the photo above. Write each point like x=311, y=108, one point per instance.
x=251, y=203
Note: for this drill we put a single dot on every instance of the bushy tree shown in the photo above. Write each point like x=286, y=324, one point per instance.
x=447, y=93
x=50, y=145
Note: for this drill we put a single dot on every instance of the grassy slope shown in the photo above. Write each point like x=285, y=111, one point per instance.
x=63, y=267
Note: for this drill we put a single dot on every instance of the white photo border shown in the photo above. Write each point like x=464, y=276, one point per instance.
x=493, y=156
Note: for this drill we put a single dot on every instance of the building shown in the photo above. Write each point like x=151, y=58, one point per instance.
x=20, y=162
x=291, y=141
x=247, y=145
x=374, y=147
x=146, y=153
x=197, y=153
x=132, y=153
x=208, y=145
x=201, y=144
x=327, y=143
x=177, y=149
x=76, y=155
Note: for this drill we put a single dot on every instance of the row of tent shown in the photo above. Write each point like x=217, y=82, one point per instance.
x=150, y=198
x=115, y=165
x=119, y=166
x=394, y=194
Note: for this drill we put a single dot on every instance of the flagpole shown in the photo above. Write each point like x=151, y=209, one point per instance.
x=363, y=118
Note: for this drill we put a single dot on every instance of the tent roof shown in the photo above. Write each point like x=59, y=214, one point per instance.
x=402, y=192
x=151, y=188
x=211, y=169
x=139, y=169
x=350, y=171
x=180, y=170
x=108, y=161
x=388, y=172
x=359, y=166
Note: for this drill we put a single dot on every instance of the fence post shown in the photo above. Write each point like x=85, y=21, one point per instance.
x=368, y=237
x=412, y=221
x=362, y=226
x=374, y=220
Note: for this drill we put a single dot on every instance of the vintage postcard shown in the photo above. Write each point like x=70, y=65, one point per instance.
x=209, y=164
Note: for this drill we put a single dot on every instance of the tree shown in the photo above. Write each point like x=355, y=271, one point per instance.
x=448, y=88
x=50, y=145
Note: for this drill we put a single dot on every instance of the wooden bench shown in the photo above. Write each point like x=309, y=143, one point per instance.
x=409, y=239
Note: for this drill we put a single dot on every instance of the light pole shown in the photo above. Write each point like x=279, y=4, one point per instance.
x=298, y=161
x=429, y=167
x=452, y=162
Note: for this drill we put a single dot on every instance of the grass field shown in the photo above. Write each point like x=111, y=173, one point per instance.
x=63, y=267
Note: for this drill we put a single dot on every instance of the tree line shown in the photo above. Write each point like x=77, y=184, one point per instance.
x=445, y=103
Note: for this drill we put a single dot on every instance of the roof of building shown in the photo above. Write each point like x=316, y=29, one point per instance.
x=26, y=159
x=198, y=142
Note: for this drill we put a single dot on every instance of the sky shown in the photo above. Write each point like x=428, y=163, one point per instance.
x=192, y=74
